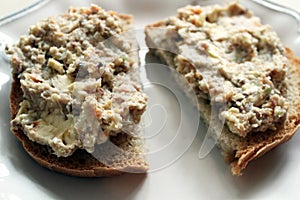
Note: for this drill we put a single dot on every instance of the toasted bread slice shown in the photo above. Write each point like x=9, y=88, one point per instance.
x=122, y=150
x=167, y=38
x=82, y=163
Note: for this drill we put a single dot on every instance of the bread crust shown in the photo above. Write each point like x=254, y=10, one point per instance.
x=81, y=163
x=253, y=151
x=255, y=145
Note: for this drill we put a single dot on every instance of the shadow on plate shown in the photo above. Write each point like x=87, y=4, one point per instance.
x=60, y=186
x=261, y=172
x=256, y=176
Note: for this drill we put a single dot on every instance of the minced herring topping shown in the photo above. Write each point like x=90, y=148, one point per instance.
x=229, y=57
x=79, y=77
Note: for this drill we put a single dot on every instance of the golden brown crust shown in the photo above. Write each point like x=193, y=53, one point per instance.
x=243, y=157
x=238, y=152
x=80, y=163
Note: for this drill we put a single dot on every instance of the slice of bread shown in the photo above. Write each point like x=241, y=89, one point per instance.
x=123, y=151
x=166, y=37
x=81, y=163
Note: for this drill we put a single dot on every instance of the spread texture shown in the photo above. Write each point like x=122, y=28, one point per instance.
x=229, y=57
x=79, y=77
x=237, y=66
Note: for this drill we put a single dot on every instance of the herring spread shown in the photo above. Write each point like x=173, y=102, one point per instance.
x=229, y=57
x=78, y=74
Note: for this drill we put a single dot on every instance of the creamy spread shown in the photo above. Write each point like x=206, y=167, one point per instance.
x=78, y=74
x=229, y=57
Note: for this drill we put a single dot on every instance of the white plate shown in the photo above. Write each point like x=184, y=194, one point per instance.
x=176, y=173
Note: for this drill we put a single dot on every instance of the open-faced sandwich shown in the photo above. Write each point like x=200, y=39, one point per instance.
x=233, y=61
x=76, y=99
